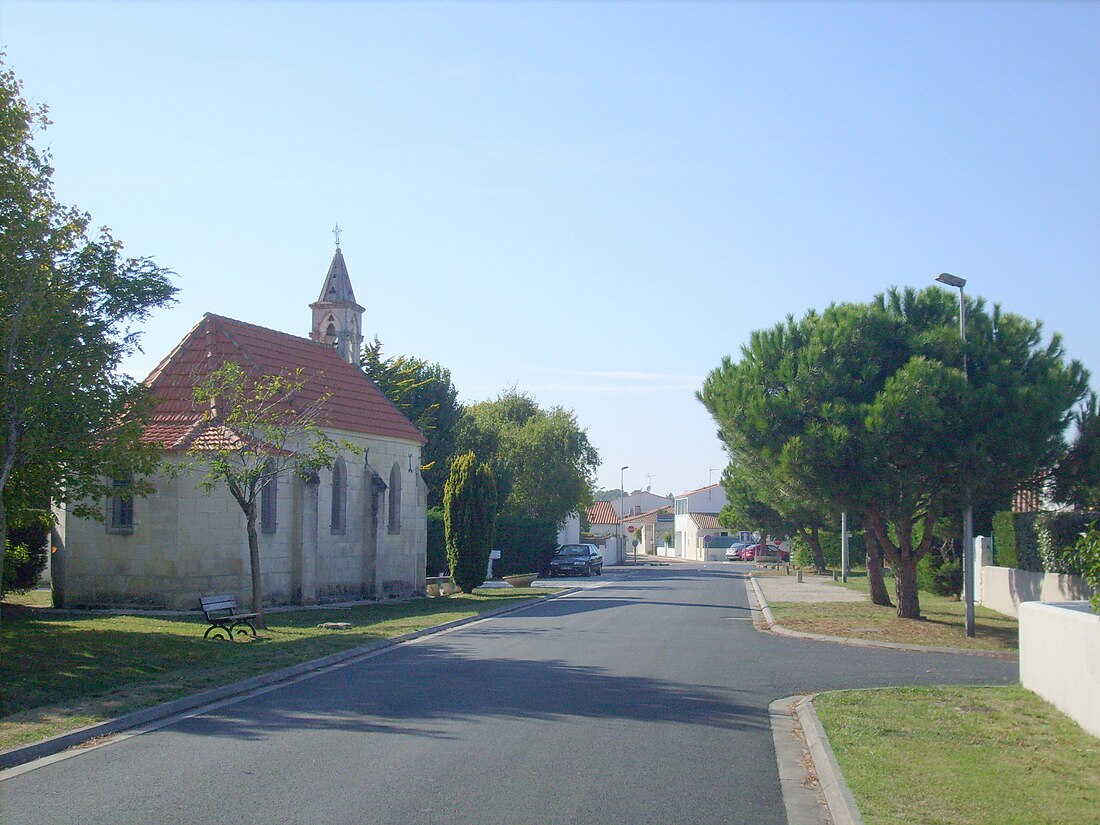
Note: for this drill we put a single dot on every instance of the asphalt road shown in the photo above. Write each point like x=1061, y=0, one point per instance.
x=642, y=699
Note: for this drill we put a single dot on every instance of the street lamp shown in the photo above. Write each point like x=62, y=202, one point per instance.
x=968, y=514
x=622, y=493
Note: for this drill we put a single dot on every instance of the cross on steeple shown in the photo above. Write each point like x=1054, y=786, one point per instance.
x=336, y=233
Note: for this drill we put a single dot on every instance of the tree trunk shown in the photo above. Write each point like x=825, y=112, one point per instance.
x=254, y=565
x=814, y=540
x=879, y=594
x=905, y=584
x=3, y=534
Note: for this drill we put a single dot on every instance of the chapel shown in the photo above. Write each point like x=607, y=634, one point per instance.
x=356, y=530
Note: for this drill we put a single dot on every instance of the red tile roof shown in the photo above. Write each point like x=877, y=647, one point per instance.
x=647, y=518
x=705, y=521
x=355, y=404
x=602, y=512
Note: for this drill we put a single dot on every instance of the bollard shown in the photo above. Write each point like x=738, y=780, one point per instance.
x=836, y=576
x=800, y=575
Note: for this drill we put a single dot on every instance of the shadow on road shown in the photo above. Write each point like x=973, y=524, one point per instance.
x=423, y=687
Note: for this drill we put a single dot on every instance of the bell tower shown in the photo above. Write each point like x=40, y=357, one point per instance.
x=337, y=318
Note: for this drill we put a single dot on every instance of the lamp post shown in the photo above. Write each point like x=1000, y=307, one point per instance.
x=622, y=493
x=948, y=279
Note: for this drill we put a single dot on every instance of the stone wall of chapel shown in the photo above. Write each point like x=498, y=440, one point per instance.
x=183, y=544
x=186, y=543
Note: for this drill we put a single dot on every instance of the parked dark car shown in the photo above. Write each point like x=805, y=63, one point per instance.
x=576, y=560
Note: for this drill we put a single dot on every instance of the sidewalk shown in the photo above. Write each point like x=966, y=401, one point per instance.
x=812, y=588
x=800, y=741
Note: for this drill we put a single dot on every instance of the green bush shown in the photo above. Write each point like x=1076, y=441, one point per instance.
x=803, y=556
x=1087, y=550
x=26, y=554
x=437, y=544
x=525, y=545
x=1027, y=543
x=940, y=573
x=1058, y=534
x=1004, y=539
x=469, y=510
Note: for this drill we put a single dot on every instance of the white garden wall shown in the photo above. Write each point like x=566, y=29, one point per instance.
x=1004, y=588
x=1060, y=658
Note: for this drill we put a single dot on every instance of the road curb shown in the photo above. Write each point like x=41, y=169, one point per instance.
x=13, y=757
x=773, y=626
x=838, y=796
x=799, y=782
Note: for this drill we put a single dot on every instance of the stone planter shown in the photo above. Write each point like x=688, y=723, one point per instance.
x=439, y=586
x=1060, y=657
x=521, y=580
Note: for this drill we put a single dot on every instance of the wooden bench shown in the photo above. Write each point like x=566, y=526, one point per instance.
x=221, y=612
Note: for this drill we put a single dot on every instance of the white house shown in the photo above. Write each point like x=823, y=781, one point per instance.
x=696, y=517
x=358, y=529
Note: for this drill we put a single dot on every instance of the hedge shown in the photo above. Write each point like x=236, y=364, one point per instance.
x=1027, y=543
x=1004, y=539
x=526, y=545
x=1057, y=535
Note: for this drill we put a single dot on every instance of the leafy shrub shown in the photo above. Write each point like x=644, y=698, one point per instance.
x=803, y=556
x=1027, y=542
x=1087, y=550
x=437, y=544
x=26, y=553
x=526, y=544
x=1058, y=534
x=940, y=572
x=1004, y=539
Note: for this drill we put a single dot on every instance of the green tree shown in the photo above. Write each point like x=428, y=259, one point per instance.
x=69, y=306
x=257, y=430
x=760, y=498
x=866, y=405
x=1077, y=476
x=542, y=460
x=425, y=394
x=469, y=513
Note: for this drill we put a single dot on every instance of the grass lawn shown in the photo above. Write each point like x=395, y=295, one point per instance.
x=943, y=623
x=962, y=756
x=63, y=670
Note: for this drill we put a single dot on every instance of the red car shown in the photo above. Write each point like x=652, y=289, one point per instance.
x=749, y=553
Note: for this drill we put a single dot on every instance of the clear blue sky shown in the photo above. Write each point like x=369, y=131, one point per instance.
x=593, y=202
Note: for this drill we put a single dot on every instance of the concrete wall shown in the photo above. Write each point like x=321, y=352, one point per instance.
x=570, y=532
x=1003, y=589
x=1060, y=658
x=186, y=543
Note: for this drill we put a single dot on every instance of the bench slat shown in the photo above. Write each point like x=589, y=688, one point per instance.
x=223, y=608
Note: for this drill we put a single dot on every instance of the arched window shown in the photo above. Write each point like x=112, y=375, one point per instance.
x=269, y=495
x=339, y=496
x=395, y=499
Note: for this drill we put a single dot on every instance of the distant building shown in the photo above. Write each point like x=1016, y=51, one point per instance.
x=650, y=529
